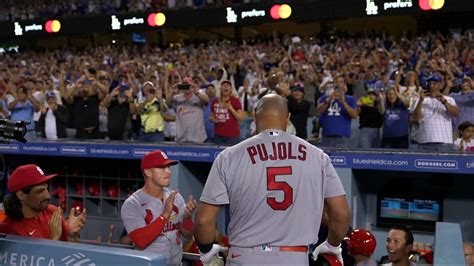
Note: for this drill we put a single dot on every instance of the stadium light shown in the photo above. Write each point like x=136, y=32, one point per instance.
x=427, y=5
x=280, y=11
x=156, y=19
x=52, y=26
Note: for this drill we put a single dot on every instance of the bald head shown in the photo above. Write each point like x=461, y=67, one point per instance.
x=271, y=113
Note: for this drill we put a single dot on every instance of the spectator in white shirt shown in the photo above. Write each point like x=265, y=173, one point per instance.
x=434, y=114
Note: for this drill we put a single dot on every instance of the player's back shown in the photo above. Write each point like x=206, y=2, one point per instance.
x=275, y=189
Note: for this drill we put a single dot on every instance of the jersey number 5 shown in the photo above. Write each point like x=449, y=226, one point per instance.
x=273, y=185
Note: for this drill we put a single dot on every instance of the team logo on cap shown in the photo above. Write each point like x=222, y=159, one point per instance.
x=164, y=155
x=39, y=170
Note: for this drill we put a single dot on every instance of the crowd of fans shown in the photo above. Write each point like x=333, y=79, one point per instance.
x=369, y=92
x=14, y=10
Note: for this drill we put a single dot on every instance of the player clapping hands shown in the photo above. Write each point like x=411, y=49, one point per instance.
x=74, y=224
x=169, y=205
x=187, y=226
x=55, y=224
x=190, y=208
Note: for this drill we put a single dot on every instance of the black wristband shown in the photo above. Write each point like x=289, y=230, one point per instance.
x=204, y=248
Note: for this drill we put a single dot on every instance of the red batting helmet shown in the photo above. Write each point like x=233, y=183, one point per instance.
x=361, y=242
x=94, y=189
x=79, y=188
x=112, y=191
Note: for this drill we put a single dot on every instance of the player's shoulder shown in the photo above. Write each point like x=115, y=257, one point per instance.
x=322, y=157
x=135, y=198
x=318, y=153
x=9, y=226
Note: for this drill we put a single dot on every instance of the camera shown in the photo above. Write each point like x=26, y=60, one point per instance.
x=184, y=86
x=123, y=88
x=152, y=91
x=13, y=130
x=366, y=100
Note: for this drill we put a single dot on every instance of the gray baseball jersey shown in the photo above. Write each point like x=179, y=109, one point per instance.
x=275, y=184
x=141, y=209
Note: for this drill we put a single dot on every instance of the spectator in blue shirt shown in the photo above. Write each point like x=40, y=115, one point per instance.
x=22, y=107
x=464, y=99
x=336, y=112
x=396, y=121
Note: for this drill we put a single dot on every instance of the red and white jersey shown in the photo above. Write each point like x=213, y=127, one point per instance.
x=275, y=184
x=37, y=227
x=141, y=209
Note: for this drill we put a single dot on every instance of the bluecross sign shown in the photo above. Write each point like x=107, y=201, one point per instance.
x=379, y=160
x=452, y=163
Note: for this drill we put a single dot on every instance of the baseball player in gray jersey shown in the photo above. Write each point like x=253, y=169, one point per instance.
x=276, y=185
x=154, y=215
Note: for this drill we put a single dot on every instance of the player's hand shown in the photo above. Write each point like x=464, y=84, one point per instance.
x=55, y=224
x=208, y=257
x=190, y=208
x=169, y=205
x=76, y=223
x=325, y=247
